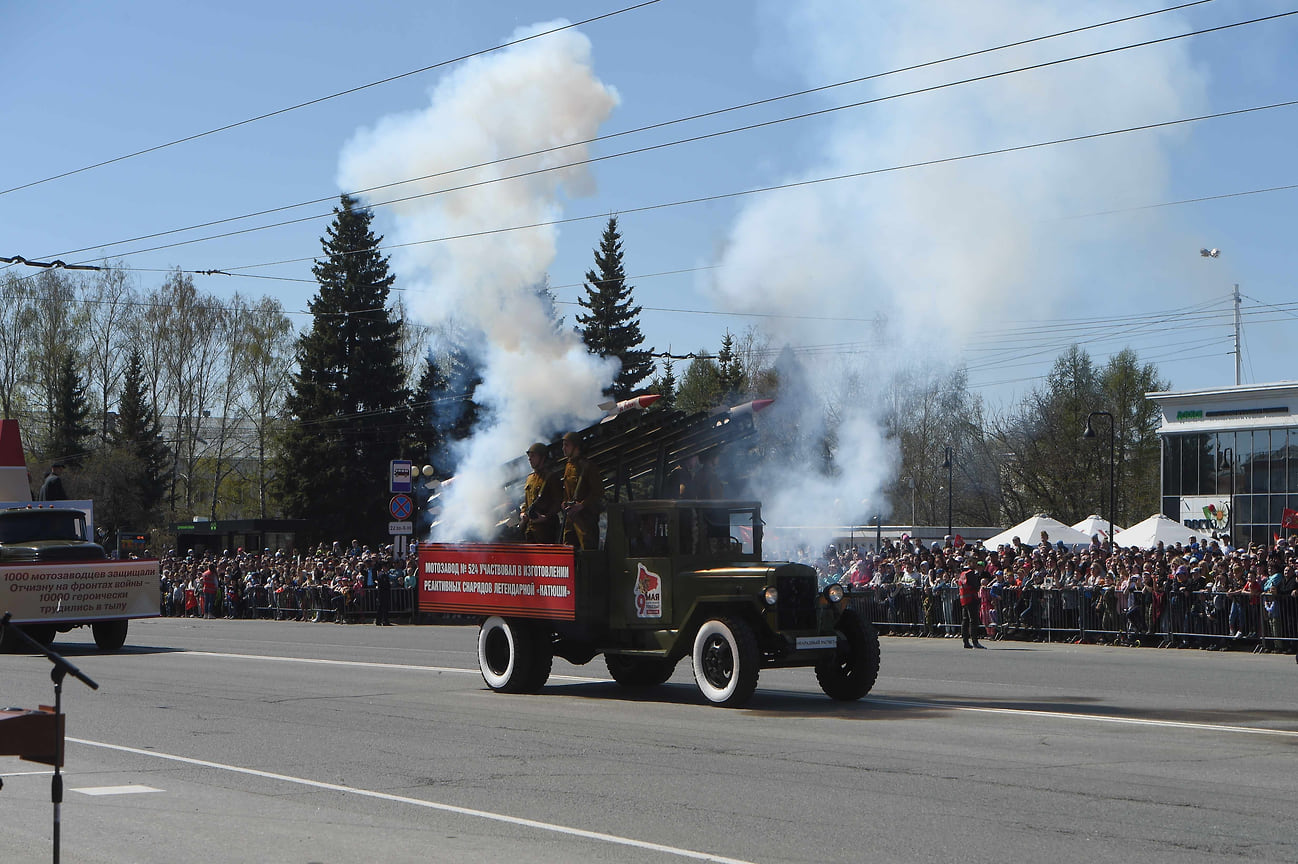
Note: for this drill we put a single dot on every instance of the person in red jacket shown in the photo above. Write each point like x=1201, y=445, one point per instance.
x=970, y=581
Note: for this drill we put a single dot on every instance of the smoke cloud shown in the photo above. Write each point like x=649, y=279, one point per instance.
x=536, y=379
x=940, y=252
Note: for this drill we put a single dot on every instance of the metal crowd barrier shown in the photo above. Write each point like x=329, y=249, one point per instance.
x=1201, y=619
x=311, y=604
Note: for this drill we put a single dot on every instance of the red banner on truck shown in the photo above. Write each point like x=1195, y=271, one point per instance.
x=527, y=581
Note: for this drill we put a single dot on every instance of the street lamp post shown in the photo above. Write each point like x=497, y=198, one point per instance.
x=1090, y=433
x=1228, y=457
x=949, y=465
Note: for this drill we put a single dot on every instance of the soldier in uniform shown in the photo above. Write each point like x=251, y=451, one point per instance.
x=680, y=482
x=583, y=494
x=707, y=483
x=542, y=497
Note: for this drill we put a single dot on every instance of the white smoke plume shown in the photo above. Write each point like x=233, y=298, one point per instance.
x=529, y=97
x=941, y=252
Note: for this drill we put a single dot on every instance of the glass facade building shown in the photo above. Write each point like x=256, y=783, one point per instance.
x=1230, y=459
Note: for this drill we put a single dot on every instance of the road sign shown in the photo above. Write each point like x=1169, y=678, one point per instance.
x=398, y=528
x=400, y=477
x=401, y=507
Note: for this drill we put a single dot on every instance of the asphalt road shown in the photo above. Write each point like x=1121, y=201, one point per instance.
x=260, y=741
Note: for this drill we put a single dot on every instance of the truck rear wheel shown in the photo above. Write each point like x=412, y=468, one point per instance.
x=505, y=654
x=630, y=671
x=109, y=635
x=852, y=671
x=726, y=661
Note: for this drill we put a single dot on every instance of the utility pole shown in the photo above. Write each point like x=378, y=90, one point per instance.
x=1214, y=253
x=1237, y=329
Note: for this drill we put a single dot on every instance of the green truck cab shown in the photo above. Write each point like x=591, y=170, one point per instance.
x=673, y=579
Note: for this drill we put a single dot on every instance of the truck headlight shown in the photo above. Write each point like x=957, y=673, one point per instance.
x=834, y=593
x=770, y=595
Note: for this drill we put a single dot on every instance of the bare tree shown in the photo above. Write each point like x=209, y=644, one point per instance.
x=269, y=363
x=109, y=301
x=415, y=340
x=188, y=336
x=16, y=315
x=55, y=332
x=232, y=350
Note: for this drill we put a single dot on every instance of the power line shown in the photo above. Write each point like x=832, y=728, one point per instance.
x=637, y=130
x=748, y=128
x=777, y=187
x=320, y=99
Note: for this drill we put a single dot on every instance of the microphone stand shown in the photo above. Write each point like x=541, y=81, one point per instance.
x=61, y=669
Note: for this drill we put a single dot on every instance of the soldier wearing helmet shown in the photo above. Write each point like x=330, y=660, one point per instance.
x=542, y=496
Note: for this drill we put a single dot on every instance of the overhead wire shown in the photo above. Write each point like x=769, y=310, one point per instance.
x=649, y=127
x=762, y=125
x=320, y=99
x=768, y=189
x=225, y=272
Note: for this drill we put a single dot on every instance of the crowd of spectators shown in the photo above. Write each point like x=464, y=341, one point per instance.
x=330, y=583
x=1204, y=594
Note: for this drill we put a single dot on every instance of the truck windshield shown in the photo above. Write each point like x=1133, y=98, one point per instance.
x=727, y=533
x=29, y=526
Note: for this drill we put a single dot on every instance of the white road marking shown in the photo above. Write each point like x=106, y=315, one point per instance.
x=910, y=703
x=115, y=790
x=361, y=664
x=1098, y=718
x=420, y=802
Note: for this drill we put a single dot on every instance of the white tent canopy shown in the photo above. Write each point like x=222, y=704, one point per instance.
x=1029, y=532
x=1148, y=534
x=1092, y=525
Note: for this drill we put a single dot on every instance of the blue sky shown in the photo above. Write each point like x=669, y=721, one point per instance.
x=996, y=261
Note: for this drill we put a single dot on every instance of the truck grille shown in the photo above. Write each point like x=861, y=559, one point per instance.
x=796, y=607
x=69, y=552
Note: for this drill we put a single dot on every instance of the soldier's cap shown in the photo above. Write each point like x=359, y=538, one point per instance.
x=538, y=447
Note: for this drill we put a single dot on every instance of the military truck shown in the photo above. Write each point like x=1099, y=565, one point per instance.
x=673, y=578
x=54, y=578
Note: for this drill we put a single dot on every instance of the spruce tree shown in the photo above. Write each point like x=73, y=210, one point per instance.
x=129, y=478
x=730, y=369
x=70, y=423
x=138, y=432
x=665, y=384
x=348, y=401
x=612, y=326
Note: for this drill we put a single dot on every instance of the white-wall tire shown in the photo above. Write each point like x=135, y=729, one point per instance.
x=504, y=657
x=726, y=661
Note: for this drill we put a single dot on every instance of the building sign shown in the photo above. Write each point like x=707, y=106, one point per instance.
x=1207, y=513
x=497, y=579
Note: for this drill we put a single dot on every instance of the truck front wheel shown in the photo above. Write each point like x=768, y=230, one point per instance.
x=726, y=661
x=109, y=635
x=638, y=671
x=851, y=672
x=505, y=655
